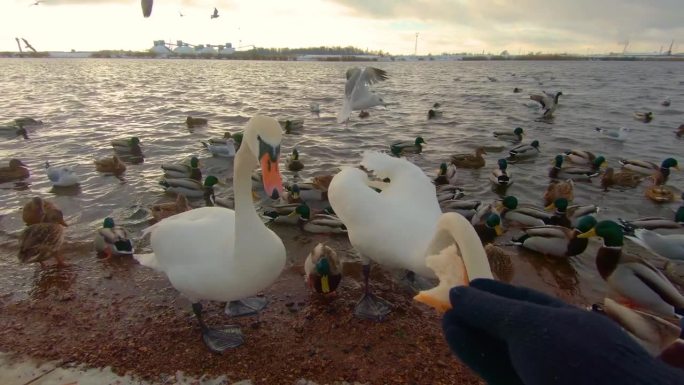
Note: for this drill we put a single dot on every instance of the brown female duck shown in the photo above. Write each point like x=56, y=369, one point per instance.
x=36, y=209
x=43, y=240
x=16, y=171
x=469, y=160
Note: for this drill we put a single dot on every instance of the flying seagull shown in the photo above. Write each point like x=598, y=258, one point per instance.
x=37, y=2
x=215, y=15
x=29, y=46
x=549, y=102
x=357, y=92
x=146, y=7
x=181, y=13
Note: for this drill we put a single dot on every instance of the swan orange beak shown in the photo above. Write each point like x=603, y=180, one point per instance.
x=270, y=175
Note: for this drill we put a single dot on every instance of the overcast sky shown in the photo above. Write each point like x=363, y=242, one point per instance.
x=575, y=26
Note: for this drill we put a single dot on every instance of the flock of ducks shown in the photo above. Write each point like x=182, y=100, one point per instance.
x=436, y=234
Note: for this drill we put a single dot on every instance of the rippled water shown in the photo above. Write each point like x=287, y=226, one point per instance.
x=87, y=103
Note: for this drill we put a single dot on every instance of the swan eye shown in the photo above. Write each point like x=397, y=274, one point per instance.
x=265, y=148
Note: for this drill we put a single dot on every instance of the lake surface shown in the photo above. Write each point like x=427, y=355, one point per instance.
x=86, y=103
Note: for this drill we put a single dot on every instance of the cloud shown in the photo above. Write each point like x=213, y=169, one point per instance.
x=539, y=22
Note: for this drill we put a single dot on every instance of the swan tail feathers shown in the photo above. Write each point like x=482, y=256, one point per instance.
x=149, y=260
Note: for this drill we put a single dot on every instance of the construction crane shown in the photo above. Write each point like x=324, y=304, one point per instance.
x=19, y=45
x=669, y=51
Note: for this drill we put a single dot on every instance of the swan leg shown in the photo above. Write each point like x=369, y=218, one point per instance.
x=246, y=307
x=218, y=340
x=371, y=306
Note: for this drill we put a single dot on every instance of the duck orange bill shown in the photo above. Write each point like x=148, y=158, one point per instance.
x=270, y=174
x=433, y=301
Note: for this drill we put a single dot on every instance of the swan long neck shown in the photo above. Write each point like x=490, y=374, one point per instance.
x=454, y=228
x=245, y=214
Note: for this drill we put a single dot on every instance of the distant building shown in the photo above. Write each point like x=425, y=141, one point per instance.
x=226, y=49
x=183, y=48
x=160, y=48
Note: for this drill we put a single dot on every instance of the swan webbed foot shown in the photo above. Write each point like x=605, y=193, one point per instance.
x=246, y=307
x=372, y=307
x=219, y=340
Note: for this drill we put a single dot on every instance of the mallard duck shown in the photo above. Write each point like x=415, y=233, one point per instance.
x=501, y=207
x=43, y=240
x=549, y=102
x=680, y=131
x=293, y=162
x=659, y=193
x=447, y=175
x=165, y=210
x=434, y=114
x=322, y=182
x=490, y=229
x=669, y=246
x=364, y=114
x=226, y=150
x=291, y=125
x=557, y=171
x=300, y=214
x=456, y=256
x=111, y=240
x=11, y=132
x=623, y=178
x=515, y=136
x=195, y=122
x=415, y=147
x=470, y=160
x=635, y=279
x=557, y=241
x=189, y=187
x=517, y=90
x=128, y=147
x=181, y=170
x=235, y=138
x=675, y=272
x=27, y=122
x=36, y=209
x=61, y=176
x=17, y=170
x=112, y=165
x=653, y=223
x=666, y=102
x=323, y=269
x=315, y=109
x=585, y=158
x=648, y=168
x=524, y=151
x=643, y=116
x=559, y=189
x=653, y=333
x=447, y=192
x=499, y=176
x=466, y=208
x=217, y=254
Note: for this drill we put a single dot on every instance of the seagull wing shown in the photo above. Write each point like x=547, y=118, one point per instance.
x=539, y=98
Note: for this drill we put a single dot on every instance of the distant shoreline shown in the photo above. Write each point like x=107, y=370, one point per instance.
x=249, y=55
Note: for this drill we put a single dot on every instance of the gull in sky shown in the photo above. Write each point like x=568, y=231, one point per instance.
x=357, y=92
x=215, y=15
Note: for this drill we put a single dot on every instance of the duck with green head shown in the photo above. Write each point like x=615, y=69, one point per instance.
x=190, y=187
x=557, y=241
x=183, y=170
x=524, y=151
x=446, y=175
x=500, y=176
x=293, y=162
x=311, y=223
x=323, y=269
x=654, y=223
x=128, y=147
x=515, y=136
x=635, y=279
x=112, y=240
x=500, y=207
x=648, y=168
x=557, y=171
x=408, y=147
x=490, y=229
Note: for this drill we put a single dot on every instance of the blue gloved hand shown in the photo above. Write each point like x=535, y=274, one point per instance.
x=514, y=335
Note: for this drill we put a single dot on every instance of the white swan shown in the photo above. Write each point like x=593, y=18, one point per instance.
x=217, y=254
x=395, y=227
